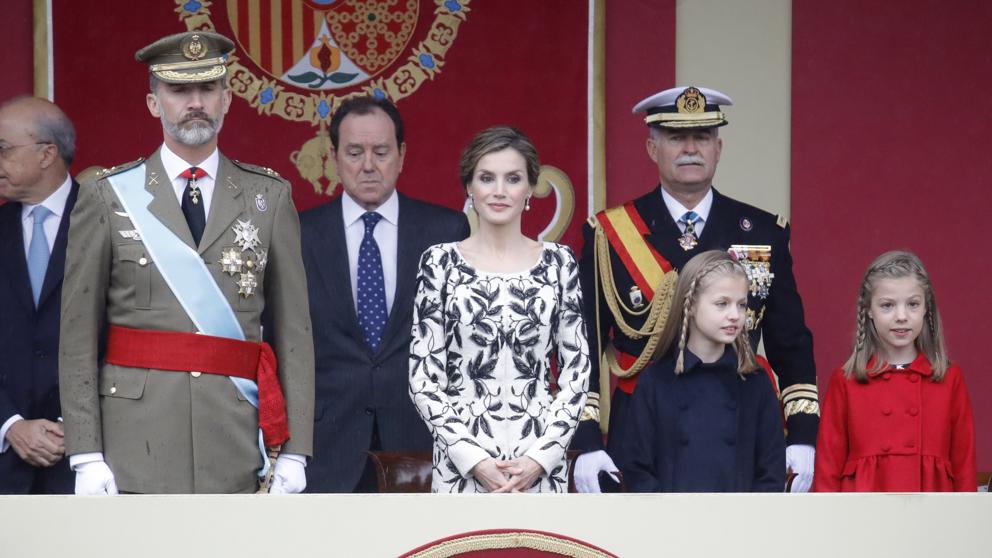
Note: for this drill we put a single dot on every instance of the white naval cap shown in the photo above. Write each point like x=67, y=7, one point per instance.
x=685, y=107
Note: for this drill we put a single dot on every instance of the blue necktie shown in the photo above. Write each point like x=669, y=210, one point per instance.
x=372, y=312
x=38, y=252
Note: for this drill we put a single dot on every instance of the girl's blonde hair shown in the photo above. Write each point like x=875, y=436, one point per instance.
x=697, y=274
x=895, y=265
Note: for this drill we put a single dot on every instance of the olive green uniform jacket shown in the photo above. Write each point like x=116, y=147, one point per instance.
x=176, y=432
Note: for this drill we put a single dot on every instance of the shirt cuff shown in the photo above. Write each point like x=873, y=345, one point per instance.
x=4, y=444
x=83, y=458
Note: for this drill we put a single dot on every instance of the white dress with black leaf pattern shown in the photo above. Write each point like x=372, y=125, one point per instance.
x=480, y=364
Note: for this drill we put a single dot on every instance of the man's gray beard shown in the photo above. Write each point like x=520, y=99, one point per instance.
x=195, y=135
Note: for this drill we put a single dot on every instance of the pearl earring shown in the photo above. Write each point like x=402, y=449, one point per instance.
x=527, y=204
x=471, y=202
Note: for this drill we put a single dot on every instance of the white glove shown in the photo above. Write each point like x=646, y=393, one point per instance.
x=95, y=478
x=588, y=467
x=289, y=475
x=799, y=458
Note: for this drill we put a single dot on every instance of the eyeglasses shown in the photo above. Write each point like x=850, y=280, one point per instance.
x=6, y=149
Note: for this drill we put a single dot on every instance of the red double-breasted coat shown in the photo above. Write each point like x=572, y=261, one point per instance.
x=900, y=432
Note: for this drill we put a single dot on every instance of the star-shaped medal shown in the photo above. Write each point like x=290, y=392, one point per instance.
x=230, y=261
x=247, y=284
x=245, y=235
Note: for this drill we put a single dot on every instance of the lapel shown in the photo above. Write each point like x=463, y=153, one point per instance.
x=714, y=233
x=225, y=206
x=56, y=263
x=12, y=254
x=408, y=256
x=164, y=205
x=331, y=258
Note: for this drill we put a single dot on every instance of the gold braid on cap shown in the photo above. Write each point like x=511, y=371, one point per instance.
x=683, y=117
x=657, y=311
x=189, y=65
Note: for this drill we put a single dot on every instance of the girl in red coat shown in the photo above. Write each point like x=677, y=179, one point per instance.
x=896, y=417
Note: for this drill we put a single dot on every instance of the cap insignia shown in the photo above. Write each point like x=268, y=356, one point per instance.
x=193, y=49
x=691, y=101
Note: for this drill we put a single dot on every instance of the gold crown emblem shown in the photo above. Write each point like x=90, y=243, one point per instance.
x=691, y=101
x=193, y=49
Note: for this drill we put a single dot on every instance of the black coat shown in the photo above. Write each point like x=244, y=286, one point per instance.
x=706, y=430
x=29, y=349
x=355, y=389
x=788, y=342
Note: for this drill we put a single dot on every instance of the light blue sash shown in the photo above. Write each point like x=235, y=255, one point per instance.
x=186, y=274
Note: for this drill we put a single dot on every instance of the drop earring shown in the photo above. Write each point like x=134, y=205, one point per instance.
x=471, y=202
x=527, y=204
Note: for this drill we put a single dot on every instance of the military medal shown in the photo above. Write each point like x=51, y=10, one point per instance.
x=757, y=262
x=245, y=261
x=636, y=297
x=230, y=261
x=688, y=240
x=245, y=235
x=260, y=202
x=194, y=192
x=247, y=284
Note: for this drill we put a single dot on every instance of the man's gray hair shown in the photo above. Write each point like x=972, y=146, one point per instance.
x=53, y=127
x=58, y=130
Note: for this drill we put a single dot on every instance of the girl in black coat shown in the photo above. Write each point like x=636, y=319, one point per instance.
x=706, y=416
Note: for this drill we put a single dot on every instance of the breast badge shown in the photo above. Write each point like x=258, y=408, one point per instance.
x=757, y=262
x=246, y=261
x=636, y=298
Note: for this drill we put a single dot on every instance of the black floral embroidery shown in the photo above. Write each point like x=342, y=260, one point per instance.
x=480, y=364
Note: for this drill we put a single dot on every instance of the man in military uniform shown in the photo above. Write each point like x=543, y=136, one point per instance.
x=171, y=260
x=630, y=261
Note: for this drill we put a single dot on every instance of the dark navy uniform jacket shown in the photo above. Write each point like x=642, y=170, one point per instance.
x=708, y=429
x=788, y=342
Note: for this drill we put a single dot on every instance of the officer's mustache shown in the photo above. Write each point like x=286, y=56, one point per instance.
x=690, y=160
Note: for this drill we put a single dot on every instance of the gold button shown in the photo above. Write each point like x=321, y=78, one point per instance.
x=113, y=390
x=195, y=374
x=143, y=261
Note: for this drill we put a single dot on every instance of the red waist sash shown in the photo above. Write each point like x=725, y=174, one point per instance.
x=191, y=352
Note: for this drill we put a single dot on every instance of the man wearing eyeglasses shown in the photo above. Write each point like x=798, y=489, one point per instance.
x=37, y=144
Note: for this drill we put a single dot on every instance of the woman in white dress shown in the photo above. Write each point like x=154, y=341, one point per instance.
x=490, y=314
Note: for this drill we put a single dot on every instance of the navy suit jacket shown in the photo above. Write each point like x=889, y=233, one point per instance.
x=29, y=349
x=356, y=389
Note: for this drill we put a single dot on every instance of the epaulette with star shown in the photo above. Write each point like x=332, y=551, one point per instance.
x=255, y=169
x=118, y=169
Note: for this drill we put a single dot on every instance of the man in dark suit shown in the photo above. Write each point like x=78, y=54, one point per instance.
x=633, y=252
x=361, y=253
x=37, y=145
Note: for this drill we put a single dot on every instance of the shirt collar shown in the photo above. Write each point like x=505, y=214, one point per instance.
x=389, y=210
x=677, y=210
x=55, y=202
x=174, y=164
x=920, y=365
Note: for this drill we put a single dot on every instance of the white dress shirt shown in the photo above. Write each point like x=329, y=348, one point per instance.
x=174, y=165
x=56, y=204
x=385, y=234
x=677, y=210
